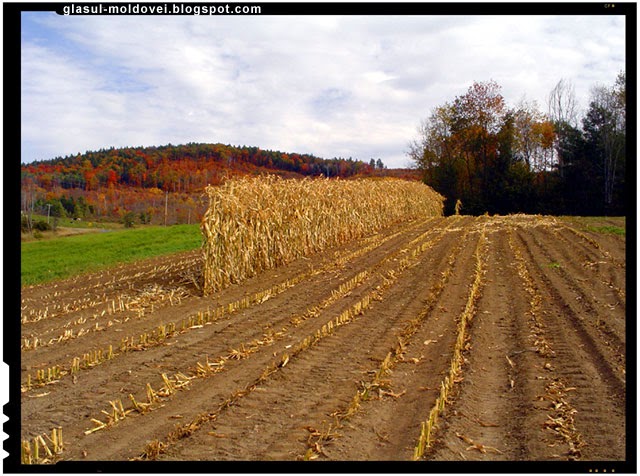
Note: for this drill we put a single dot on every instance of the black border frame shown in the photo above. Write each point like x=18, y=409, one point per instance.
x=11, y=247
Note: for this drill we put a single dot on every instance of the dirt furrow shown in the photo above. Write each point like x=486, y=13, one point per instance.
x=496, y=414
x=388, y=281
x=597, y=392
x=299, y=271
x=116, y=306
x=303, y=395
x=90, y=290
x=388, y=416
x=615, y=253
x=589, y=260
x=72, y=302
x=250, y=324
x=603, y=309
x=602, y=330
x=613, y=244
x=605, y=271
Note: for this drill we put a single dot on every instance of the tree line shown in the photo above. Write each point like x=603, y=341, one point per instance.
x=159, y=184
x=489, y=157
x=180, y=168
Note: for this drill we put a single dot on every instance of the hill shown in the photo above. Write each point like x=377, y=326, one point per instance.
x=164, y=184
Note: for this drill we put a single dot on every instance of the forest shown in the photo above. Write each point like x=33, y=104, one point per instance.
x=485, y=156
x=163, y=184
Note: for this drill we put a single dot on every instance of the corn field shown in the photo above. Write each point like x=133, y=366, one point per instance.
x=426, y=338
x=260, y=223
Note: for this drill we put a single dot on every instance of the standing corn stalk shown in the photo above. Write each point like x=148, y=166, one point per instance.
x=259, y=223
x=458, y=206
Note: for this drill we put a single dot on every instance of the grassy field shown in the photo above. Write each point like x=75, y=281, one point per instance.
x=58, y=258
x=603, y=225
x=611, y=229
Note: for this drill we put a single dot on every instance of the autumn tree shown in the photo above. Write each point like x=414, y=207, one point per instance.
x=436, y=153
x=534, y=136
x=464, y=149
x=490, y=157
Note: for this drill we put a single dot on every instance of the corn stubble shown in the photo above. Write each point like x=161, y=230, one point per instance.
x=37, y=451
x=258, y=223
x=428, y=427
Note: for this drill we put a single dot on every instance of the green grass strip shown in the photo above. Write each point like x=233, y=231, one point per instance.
x=60, y=258
x=608, y=229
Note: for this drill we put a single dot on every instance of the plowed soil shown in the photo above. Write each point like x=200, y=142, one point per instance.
x=341, y=356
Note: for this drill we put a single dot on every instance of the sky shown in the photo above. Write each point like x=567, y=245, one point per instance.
x=332, y=86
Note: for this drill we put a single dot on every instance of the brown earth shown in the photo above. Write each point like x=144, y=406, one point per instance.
x=346, y=358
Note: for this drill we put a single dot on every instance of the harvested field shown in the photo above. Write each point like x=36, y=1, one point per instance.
x=443, y=339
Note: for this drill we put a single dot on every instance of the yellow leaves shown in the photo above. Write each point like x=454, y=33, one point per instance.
x=544, y=133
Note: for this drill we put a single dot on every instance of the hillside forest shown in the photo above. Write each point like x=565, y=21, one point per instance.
x=165, y=184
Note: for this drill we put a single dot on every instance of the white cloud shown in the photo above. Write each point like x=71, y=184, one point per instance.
x=334, y=86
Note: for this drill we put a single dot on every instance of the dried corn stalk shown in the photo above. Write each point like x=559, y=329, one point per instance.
x=259, y=223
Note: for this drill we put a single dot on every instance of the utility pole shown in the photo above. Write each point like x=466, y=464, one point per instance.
x=48, y=212
x=166, y=202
